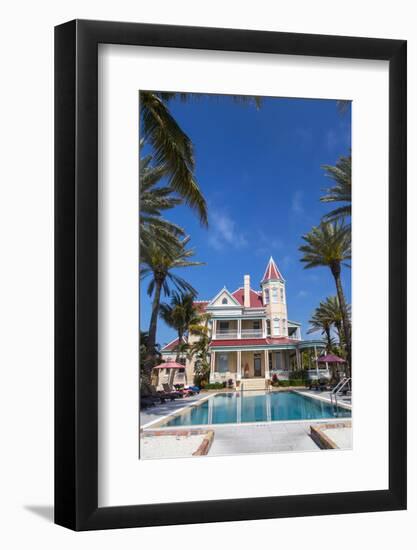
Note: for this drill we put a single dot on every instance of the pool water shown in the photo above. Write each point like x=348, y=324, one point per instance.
x=229, y=408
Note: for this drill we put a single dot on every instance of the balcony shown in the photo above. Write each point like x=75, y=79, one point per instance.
x=233, y=334
x=252, y=333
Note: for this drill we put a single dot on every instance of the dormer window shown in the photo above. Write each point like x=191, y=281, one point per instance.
x=266, y=296
x=282, y=294
x=224, y=301
x=274, y=295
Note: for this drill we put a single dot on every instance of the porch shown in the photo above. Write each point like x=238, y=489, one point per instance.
x=237, y=365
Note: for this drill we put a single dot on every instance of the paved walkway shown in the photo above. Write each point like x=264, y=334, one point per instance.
x=274, y=437
x=159, y=411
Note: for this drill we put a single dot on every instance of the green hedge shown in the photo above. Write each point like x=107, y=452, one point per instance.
x=291, y=382
x=215, y=386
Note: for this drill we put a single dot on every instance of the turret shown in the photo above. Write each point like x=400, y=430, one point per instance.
x=274, y=299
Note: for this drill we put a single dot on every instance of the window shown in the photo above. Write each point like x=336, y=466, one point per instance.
x=266, y=296
x=268, y=327
x=282, y=294
x=222, y=362
x=284, y=326
x=276, y=326
x=224, y=301
x=274, y=295
x=256, y=325
x=223, y=326
x=167, y=371
x=181, y=371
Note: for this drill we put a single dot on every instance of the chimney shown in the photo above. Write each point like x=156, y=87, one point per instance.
x=246, y=294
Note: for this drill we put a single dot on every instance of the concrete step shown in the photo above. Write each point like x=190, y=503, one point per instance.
x=253, y=384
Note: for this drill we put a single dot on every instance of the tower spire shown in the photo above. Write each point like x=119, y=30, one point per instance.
x=272, y=273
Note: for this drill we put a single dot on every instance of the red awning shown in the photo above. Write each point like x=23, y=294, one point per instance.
x=330, y=359
x=170, y=365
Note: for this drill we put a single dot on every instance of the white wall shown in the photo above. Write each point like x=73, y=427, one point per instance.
x=26, y=301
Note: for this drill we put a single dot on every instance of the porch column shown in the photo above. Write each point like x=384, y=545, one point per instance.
x=317, y=363
x=239, y=328
x=212, y=365
x=298, y=358
x=266, y=355
x=239, y=366
x=214, y=329
x=263, y=328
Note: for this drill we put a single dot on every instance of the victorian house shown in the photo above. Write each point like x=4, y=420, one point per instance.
x=252, y=337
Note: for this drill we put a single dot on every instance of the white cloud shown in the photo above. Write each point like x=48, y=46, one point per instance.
x=302, y=294
x=297, y=203
x=223, y=232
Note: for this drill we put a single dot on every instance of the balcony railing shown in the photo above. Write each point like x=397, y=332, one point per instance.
x=225, y=334
x=251, y=333
x=231, y=334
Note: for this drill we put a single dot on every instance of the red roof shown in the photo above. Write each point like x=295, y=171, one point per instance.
x=171, y=345
x=201, y=305
x=251, y=342
x=255, y=297
x=272, y=271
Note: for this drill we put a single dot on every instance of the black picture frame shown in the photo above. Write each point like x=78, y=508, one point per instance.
x=76, y=271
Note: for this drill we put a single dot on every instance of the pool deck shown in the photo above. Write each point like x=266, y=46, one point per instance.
x=247, y=438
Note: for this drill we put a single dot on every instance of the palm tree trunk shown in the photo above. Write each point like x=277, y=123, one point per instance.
x=329, y=339
x=150, y=351
x=178, y=356
x=345, y=318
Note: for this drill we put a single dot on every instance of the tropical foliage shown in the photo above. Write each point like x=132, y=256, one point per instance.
x=172, y=150
x=154, y=200
x=329, y=245
x=161, y=267
x=341, y=174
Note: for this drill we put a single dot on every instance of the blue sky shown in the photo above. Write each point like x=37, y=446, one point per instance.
x=260, y=171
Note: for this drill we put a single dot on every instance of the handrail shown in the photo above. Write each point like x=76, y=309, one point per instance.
x=338, y=388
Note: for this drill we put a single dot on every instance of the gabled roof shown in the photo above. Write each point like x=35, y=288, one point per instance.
x=172, y=345
x=255, y=297
x=272, y=272
x=232, y=299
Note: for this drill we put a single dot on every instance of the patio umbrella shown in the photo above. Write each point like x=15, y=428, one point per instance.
x=330, y=358
x=170, y=365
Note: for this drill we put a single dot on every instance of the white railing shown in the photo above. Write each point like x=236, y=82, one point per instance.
x=245, y=333
x=225, y=334
x=252, y=333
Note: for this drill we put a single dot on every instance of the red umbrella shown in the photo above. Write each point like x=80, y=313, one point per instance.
x=170, y=365
x=330, y=359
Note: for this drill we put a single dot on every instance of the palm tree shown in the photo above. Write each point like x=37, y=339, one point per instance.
x=153, y=201
x=172, y=147
x=200, y=349
x=329, y=245
x=341, y=174
x=160, y=266
x=330, y=307
x=321, y=322
x=179, y=314
x=172, y=150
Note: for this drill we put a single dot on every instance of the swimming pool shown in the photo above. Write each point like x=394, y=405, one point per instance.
x=235, y=408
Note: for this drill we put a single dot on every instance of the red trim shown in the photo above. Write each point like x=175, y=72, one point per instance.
x=272, y=271
x=244, y=342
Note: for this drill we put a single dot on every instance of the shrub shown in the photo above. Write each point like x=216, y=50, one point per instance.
x=284, y=383
x=274, y=379
x=296, y=382
x=215, y=386
x=230, y=382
